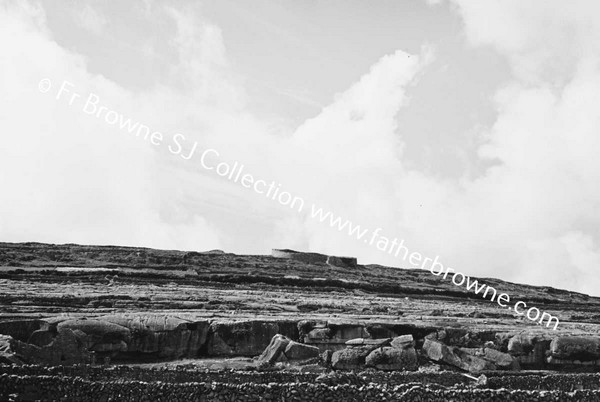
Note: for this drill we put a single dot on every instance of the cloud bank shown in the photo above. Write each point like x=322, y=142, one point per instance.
x=529, y=215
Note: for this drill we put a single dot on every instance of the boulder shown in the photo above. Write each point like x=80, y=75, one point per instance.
x=439, y=352
x=521, y=344
x=575, y=348
x=67, y=348
x=300, y=351
x=274, y=350
x=282, y=348
x=350, y=358
x=403, y=342
x=502, y=360
x=436, y=351
x=101, y=335
x=8, y=354
x=390, y=358
x=529, y=348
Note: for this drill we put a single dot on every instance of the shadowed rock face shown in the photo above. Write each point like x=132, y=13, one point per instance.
x=101, y=335
x=166, y=336
x=20, y=329
x=245, y=338
x=66, y=348
x=576, y=348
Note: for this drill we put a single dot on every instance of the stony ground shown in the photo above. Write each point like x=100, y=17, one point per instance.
x=223, y=310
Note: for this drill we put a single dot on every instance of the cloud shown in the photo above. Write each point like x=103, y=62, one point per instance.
x=525, y=217
x=544, y=40
x=89, y=18
x=355, y=155
x=71, y=177
x=530, y=215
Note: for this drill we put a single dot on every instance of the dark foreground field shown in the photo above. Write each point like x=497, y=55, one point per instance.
x=117, y=323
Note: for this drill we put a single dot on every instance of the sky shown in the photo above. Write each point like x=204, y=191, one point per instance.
x=468, y=129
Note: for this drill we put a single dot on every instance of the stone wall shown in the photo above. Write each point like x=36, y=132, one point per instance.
x=495, y=380
x=61, y=388
x=315, y=258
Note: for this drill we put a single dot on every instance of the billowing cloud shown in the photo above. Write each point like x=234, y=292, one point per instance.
x=529, y=214
x=68, y=175
x=540, y=197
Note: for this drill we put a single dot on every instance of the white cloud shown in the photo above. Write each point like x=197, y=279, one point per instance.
x=541, y=189
x=544, y=40
x=530, y=217
x=89, y=18
x=67, y=176
x=516, y=221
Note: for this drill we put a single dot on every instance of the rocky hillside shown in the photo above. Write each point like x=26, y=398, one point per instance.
x=63, y=305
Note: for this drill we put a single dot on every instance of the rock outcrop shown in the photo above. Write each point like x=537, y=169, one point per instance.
x=399, y=355
x=219, y=311
x=403, y=342
x=571, y=351
x=282, y=348
x=8, y=355
x=165, y=336
x=245, y=338
x=576, y=348
x=529, y=349
x=21, y=329
x=352, y=358
x=66, y=348
x=295, y=351
x=469, y=359
x=390, y=358
x=101, y=335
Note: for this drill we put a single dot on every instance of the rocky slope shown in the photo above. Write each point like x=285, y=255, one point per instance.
x=208, y=312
